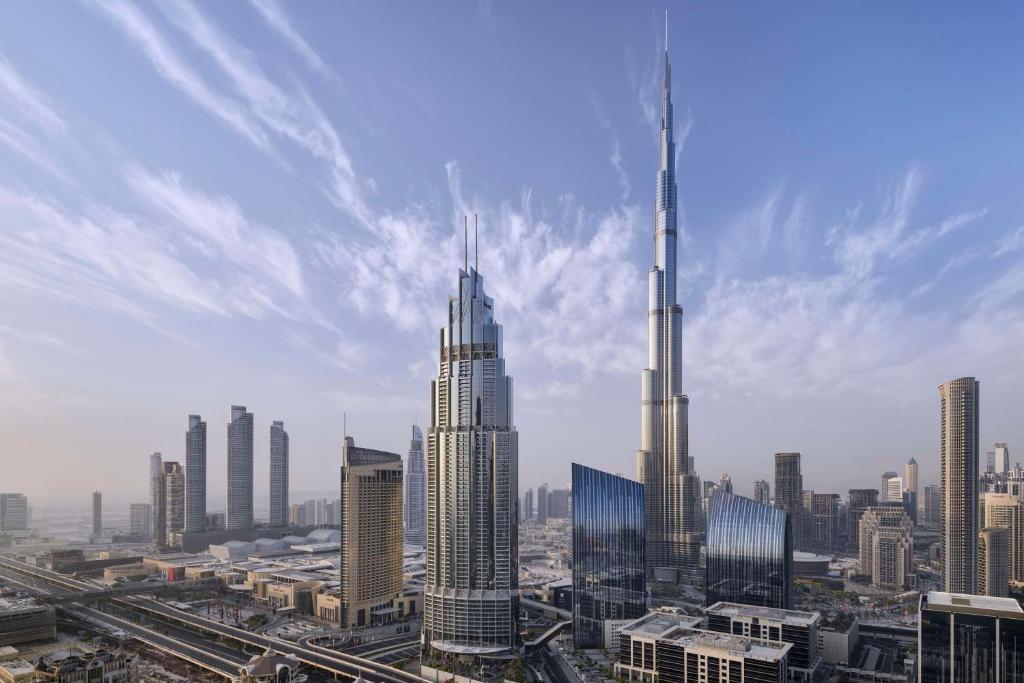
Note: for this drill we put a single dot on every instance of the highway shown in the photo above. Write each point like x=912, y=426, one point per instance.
x=321, y=658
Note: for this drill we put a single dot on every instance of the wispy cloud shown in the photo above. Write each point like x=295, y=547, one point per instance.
x=131, y=21
x=1010, y=243
x=28, y=100
x=274, y=15
x=21, y=142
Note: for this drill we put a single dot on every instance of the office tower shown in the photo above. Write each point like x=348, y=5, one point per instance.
x=13, y=512
x=887, y=547
x=608, y=580
x=910, y=480
x=969, y=638
x=762, y=492
x=725, y=483
x=416, y=492
x=670, y=647
x=141, y=520
x=1002, y=457
x=297, y=514
x=1006, y=511
x=859, y=501
x=156, y=495
x=932, y=505
x=958, y=534
x=173, y=480
x=542, y=503
x=891, y=489
x=789, y=486
x=799, y=629
x=663, y=463
x=239, y=512
x=278, y=474
x=990, y=462
x=994, y=562
x=558, y=503
x=471, y=594
x=825, y=522
x=97, y=514
x=527, y=511
x=371, y=534
x=749, y=553
x=195, y=475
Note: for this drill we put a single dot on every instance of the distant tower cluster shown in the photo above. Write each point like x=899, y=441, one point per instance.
x=762, y=492
x=416, y=492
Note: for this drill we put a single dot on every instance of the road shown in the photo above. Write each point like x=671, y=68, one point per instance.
x=322, y=658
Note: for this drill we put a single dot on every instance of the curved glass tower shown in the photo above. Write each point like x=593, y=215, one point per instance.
x=670, y=488
x=749, y=553
x=471, y=592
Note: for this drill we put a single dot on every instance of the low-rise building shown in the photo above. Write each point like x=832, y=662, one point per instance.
x=838, y=641
x=101, y=666
x=16, y=671
x=269, y=667
x=799, y=629
x=664, y=648
x=23, y=620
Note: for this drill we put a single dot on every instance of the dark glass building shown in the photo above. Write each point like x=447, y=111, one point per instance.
x=973, y=638
x=749, y=553
x=608, y=553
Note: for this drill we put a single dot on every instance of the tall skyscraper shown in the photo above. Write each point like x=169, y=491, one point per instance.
x=608, y=553
x=278, y=475
x=173, y=499
x=559, y=502
x=239, y=511
x=969, y=638
x=671, y=489
x=542, y=503
x=527, y=511
x=13, y=512
x=932, y=506
x=789, y=488
x=1005, y=510
x=1002, y=457
x=156, y=496
x=887, y=547
x=891, y=490
x=762, y=492
x=195, y=475
x=371, y=533
x=958, y=535
x=994, y=562
x=749, y=553
x=416, y=491
x=990, y=462
x=141, y=520
x=824, y=517
x=471, y=592
x=910, y=480
x=97, y=514
x=859, y=501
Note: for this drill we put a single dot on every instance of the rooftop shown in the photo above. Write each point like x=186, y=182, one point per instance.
x=737, y=645
x=658, y=624
x=973, y=602
x=19, y=604
x=785, y=615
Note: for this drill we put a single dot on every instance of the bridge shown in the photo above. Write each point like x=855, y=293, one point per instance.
x=135, y=588
x=331, y=661
x=549, y=611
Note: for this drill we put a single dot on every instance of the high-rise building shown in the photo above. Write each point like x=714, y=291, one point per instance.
x=969, y=638
x=1002, y=458
x=542, y=503
x=663, y=464
x=13, y=512
x=1005, y=510
x=416, y=492
x=239, y=511
x=990, y=462
x=173, y=482
x=859, y=501
x=278, y=474
x=156, y=495
x=195, y=475
x=932, y=506
x=824, y=515
x=958, y=534
x=297, y=514
x=97, y=514
x=559, y=502
x=471, y=602
x=141, y=520
x=910, y=478
x=527, y=511
x=608, y=580
x=891, y=490
x=994, y=562
x=762, y=492
x=725, y=483
x=789, y=487
x=371, y=534
x=749, y=553
x=887, y=547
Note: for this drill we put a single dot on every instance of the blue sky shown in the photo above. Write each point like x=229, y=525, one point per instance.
x=260, y=203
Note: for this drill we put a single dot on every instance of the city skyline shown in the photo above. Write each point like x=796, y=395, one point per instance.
x=808, y=300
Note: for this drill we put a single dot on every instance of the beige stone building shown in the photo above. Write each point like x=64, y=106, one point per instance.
x=371, y=536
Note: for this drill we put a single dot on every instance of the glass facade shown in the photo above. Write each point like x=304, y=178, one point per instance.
x=608, y=553
x=970, y=638
x=749, y=553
